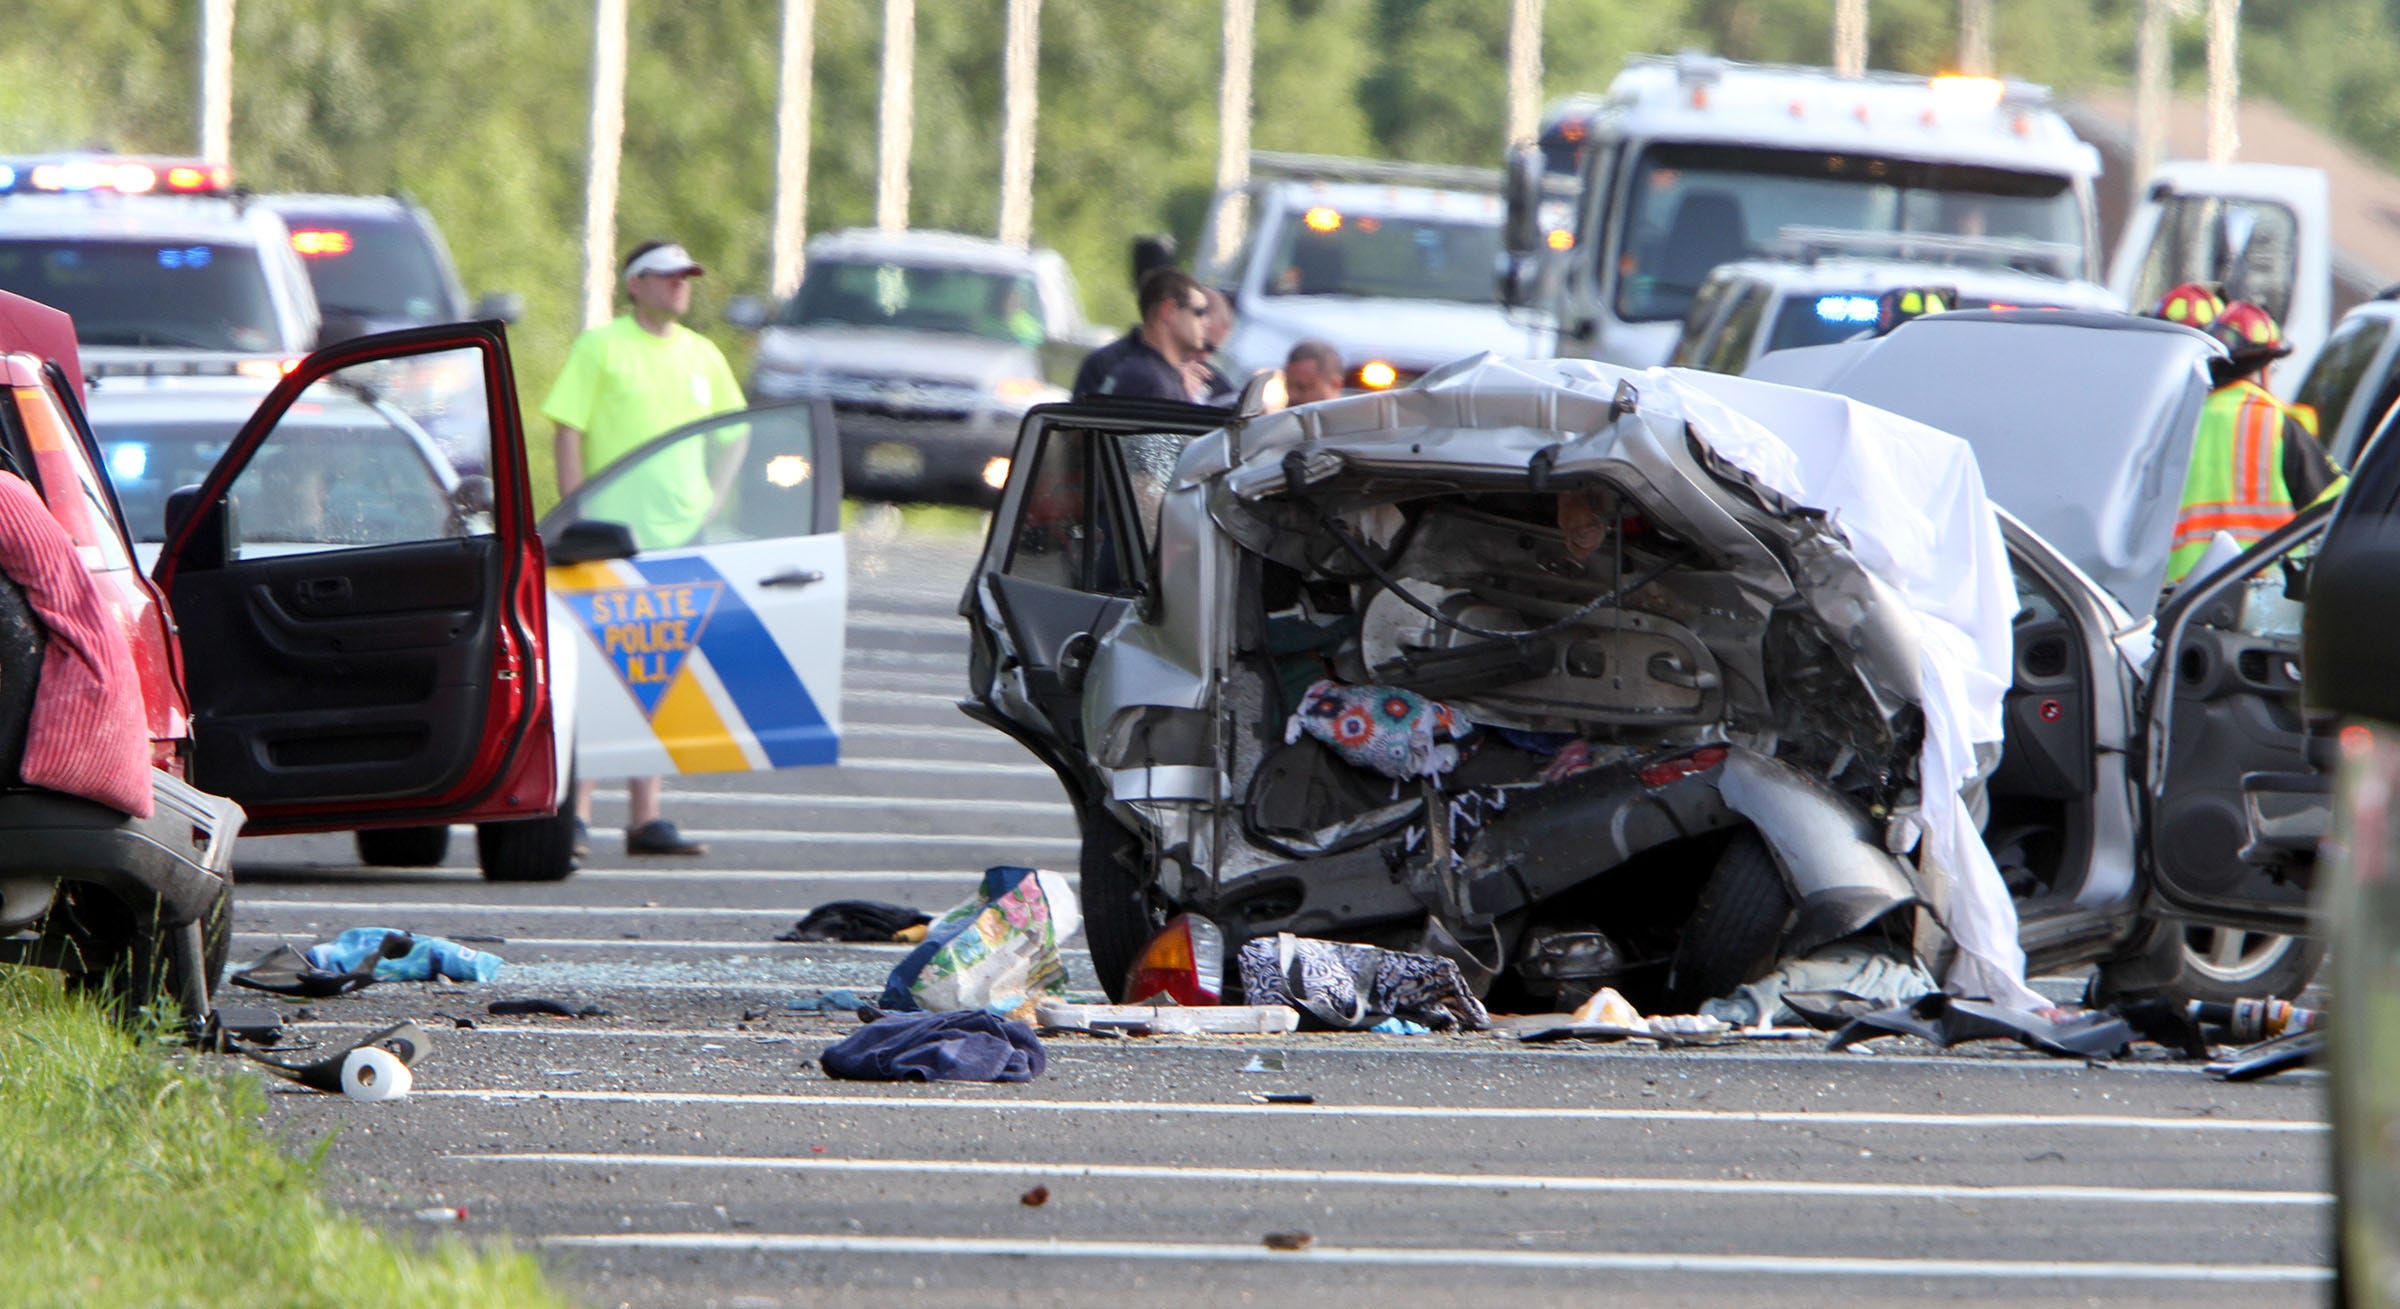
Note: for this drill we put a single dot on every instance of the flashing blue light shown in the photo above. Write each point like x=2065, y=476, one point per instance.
x=196, y=257
x=128, y=460
x=1846, y=308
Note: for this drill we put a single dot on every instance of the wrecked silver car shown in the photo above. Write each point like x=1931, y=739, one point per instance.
x=1549, y=668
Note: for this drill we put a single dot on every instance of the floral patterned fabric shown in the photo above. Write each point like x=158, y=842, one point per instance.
x=1384, y=729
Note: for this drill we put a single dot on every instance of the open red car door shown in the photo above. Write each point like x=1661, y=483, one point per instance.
x=362, y=607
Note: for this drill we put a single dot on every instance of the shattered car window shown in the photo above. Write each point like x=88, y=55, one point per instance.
x=1150, y=459
x=1060, y=540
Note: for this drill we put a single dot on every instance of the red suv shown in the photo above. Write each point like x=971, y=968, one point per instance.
x=305, y=652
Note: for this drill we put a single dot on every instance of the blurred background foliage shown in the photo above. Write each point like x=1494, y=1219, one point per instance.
x=480, y=111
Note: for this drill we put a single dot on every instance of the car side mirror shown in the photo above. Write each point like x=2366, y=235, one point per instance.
x=505, y=306
x=587, y=541
x=1075, y=660
x=336, y=328
x=212, y=545
x=747, y=312
x=473, y=494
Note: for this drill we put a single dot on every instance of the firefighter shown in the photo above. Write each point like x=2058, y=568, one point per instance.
x=2255, y=462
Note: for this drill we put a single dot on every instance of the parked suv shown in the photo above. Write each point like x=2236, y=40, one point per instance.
x=931, y=345
x=1702, y=717
x=326, y=671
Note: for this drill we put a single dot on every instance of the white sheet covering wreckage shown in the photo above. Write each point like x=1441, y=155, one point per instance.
x=1910, y=499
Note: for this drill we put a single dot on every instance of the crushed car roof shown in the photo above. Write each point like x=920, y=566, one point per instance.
x=37, y=329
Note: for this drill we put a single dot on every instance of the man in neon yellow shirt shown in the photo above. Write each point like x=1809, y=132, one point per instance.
x=628, y=381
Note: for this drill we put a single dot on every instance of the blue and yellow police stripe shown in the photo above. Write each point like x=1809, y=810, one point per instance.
x=654, y=620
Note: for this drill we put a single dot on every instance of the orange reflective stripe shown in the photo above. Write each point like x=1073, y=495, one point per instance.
x=2259, y=427
x=2198, y=528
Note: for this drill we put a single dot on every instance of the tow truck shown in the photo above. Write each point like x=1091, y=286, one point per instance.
x=1692, y=161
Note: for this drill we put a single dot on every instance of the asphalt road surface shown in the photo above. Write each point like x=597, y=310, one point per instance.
x=687, y=1149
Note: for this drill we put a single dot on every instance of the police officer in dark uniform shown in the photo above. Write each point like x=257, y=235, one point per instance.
x=1148, y=362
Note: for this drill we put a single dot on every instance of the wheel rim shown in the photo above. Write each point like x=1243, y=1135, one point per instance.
x=2229, y=954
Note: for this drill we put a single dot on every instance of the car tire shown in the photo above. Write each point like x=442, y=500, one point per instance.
x=2175, y=962
x=1731, y=936
x=122, y=958
x=530, y=849
x=1116, y=912
x=403, y=847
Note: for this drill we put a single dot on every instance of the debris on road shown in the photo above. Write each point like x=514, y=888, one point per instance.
x=966, y=1045
x=1878, y=975
x=997, y=951
x=1287, y=1240
x=1282, y=1097
x=2267, y=1058
x=1350, y=987
x=1269, y=1061
x=1035, y=1198
x=1947, y=1020
x=1168, y=1019
x=856, y=920
x=419, y=958
x=374, y=1068
x=544, y=1006
x=285, y=971
x=444, y=1213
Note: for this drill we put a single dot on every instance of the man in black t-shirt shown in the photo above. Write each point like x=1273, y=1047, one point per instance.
x=1148, y=362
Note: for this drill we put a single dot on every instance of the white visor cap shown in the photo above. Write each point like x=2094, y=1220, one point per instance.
x=671, y=260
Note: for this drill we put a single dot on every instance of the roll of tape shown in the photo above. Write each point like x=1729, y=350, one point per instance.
x=375, y=1075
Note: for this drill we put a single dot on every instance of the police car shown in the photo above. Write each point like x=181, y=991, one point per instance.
x=161, y=263
x=1756, y=306
x=702, y=641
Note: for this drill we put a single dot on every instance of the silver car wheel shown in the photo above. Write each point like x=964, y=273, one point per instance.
x=2233, y=956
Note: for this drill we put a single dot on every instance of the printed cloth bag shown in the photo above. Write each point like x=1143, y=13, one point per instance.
x=1348, y=986
x=1384, y=729
x=997, y=951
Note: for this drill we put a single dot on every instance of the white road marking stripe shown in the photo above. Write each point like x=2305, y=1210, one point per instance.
x=243, y=903
x=951, y=684
x=1450, y=1113
x=888, y=764
x=770, y=836
x=662, y=1033
x=965, y=731
x=1600, y=1261
x=889, y=621
x=669, y=873
x=761, y=946
x=902, y=803
x=1454, y=1181
x=912, y=699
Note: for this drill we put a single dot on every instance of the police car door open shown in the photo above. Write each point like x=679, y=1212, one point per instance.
x=703, y=578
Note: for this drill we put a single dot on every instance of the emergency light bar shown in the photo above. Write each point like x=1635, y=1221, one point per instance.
x=113, y=174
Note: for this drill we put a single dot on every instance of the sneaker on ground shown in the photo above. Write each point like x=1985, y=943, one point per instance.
x=658, y=836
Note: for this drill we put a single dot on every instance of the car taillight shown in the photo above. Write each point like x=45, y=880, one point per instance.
x=1186, y=960
x=1682, y=766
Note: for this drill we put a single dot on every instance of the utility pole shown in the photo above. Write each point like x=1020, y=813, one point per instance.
x=607, y=150
x=2151, y=87
x=1850, y=38
x=1017, y=107
x=1233, y=127
x=1975, y=37
x=795, y=92
x=1524, y=71
x=216, y=81
x=2224, y=80
x=897, y=119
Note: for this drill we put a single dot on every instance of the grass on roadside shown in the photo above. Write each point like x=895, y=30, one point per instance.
x=132, y=1176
